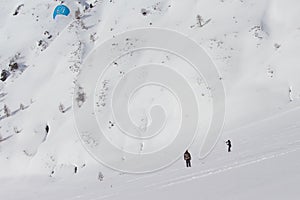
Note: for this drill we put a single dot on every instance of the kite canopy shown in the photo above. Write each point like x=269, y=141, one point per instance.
x=61, y=10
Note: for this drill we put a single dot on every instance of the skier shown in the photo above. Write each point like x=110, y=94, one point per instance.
x=187, y=158
x=228, y=142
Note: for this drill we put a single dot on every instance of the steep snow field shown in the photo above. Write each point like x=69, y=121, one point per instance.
x=254, y=45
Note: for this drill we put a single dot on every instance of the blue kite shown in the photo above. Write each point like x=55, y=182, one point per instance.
x=61, y=10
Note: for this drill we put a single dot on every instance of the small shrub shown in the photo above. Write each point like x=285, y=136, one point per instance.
x=81, y=97
x=61, y=108
x=16, y=130
x=22, y=107
x=100, y=176
x=77, y=14
x=6, y=111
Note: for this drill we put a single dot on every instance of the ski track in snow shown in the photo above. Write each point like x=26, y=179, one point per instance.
x=221, y=170
x=265, y=151
x=193, y=176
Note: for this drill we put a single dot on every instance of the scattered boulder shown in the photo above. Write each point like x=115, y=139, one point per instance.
x=144, y=12
x=47, y=34
x=4, y=75
x=42, y=44
x=13, y=66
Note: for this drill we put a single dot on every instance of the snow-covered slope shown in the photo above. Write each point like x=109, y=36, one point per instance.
x=254, y=45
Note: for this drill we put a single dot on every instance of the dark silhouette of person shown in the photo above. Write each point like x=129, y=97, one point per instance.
x=47, y=128
x=187, y=157
x=228, y=142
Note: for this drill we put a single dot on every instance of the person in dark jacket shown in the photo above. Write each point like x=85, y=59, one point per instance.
x=187, y=157
x=228, y=142
x=47, y=128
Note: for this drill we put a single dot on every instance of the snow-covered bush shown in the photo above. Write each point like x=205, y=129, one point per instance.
x=22, y=107
x=77, y=14
x=80, y=99
x=100, y=176
x=16, y=130
x=6, y=111
x=61, y=108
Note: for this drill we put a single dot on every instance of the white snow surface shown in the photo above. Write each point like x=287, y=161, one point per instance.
x=255, y=46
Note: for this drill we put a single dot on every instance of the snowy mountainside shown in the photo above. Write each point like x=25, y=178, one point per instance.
x=254, y=45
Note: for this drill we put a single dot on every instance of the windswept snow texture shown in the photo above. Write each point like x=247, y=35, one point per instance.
x=255, y=46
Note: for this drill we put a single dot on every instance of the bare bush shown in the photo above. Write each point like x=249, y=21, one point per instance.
x=22, y=107
x=6, y=111
x=81, y=97
x=77, y=14
x=61, y=108
x=100, y=176
x=16, y=130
